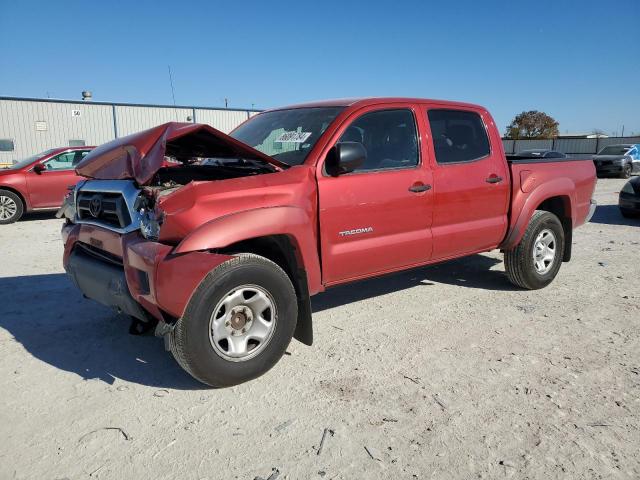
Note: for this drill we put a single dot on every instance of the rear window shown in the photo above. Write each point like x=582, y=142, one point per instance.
x=458, y=136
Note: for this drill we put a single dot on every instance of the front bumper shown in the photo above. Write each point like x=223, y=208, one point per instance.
x=609, y=168
x=135, y=276
x=592, y=210
x=629, y=202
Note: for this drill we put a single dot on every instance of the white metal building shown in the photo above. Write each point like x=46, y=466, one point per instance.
x=32, y=125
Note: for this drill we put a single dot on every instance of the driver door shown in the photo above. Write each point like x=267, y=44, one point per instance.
x=378, y=217
x=48, y=188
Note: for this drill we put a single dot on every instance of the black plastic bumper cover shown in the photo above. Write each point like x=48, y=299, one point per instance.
x=103, y=283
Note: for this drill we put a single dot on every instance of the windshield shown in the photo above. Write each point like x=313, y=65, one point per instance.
x=26, y=161
x=614, y=150
x=286, y=135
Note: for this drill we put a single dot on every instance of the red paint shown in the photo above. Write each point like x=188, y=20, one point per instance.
x=140, y=155
x=460, y=215
x=45, y=189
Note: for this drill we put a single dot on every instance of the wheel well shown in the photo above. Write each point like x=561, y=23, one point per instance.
x=561, y=207
x=20, y=196
x=283, y=251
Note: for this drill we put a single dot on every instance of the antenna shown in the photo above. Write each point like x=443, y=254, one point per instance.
x=173, y=93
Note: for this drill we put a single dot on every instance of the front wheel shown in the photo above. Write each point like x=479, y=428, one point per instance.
x=11, y=207
x=626, y=171
x=238, y=322
x=535, y=262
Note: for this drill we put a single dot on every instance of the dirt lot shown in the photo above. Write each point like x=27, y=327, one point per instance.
x=443, y=372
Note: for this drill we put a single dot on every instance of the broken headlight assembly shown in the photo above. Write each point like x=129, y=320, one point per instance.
x=68, y=208
x=150, y=218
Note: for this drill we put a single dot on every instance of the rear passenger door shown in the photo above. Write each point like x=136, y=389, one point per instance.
x=470, y=179
x=378, y=217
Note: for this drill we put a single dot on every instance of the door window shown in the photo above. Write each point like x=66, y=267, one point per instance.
x=65, y=161
x=389, y=137
x=458, y=136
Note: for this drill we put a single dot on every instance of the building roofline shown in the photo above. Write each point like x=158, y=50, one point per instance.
x=123, y=104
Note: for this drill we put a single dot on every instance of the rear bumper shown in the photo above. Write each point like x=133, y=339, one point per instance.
x=131, y=274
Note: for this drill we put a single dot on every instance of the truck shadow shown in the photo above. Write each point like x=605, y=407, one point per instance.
x=470, y=272
x=610, y=215
x=54, y=323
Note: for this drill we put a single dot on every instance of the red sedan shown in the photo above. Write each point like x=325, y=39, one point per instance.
x=38, y=182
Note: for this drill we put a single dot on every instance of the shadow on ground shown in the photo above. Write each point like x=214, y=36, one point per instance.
x=470, y=272
x=39, y=215
x=54, y=323
x=610, y=215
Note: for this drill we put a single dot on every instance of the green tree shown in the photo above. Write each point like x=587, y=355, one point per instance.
x=532, y=124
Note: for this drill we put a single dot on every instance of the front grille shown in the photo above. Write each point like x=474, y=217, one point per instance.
x=106, y=208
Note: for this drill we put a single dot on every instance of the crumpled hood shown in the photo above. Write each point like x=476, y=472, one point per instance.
x=140, y=155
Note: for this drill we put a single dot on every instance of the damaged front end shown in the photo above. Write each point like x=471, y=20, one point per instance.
x=115, y=250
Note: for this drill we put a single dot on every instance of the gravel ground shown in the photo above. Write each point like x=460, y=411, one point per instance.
x=442, y=372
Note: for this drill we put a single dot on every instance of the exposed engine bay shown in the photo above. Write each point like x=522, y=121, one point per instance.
x=208, y=169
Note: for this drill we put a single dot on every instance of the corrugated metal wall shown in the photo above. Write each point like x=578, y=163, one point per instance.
x=575, y=147
x=134, y=119
x=35, y=125
x=225, y=121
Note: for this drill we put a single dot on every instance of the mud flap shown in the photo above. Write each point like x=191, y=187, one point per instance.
x=304, y=325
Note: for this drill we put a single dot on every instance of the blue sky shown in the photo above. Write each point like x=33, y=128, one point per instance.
x=579, y=61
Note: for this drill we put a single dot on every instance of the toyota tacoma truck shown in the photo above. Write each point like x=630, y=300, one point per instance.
x=221, y=253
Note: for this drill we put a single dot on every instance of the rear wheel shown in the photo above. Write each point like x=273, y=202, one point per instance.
x=238, y=323
x=535, y=262
x=626, y=171
x=11, y=207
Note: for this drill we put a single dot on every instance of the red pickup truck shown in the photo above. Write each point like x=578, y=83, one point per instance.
x=39, y=182
x=222, y=253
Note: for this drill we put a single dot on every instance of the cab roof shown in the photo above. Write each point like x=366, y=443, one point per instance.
x=366, y=101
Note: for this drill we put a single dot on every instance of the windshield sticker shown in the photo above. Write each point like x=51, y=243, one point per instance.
x=293, y=137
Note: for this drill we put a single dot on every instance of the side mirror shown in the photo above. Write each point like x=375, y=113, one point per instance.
x=39, y=168
x=345, y=157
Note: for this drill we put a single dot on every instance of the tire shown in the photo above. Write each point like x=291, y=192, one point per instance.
x=626, y=171
x=11, y=207
x=210, y=359
x=521, y=266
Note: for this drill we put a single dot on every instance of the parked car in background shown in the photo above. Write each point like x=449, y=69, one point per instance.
x=620, y=160
x=38, y=182
x=224, y=255
x=541, y=153
x=629, y=199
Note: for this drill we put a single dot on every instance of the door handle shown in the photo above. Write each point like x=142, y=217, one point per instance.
x=419, y=188
x=494, y=179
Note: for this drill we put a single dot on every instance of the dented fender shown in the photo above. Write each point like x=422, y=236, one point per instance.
x=291, y=221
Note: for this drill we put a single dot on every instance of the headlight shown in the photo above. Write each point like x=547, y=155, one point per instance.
x=150, y=218
x=149, y=225
x=628, y=188
x=68, y=208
